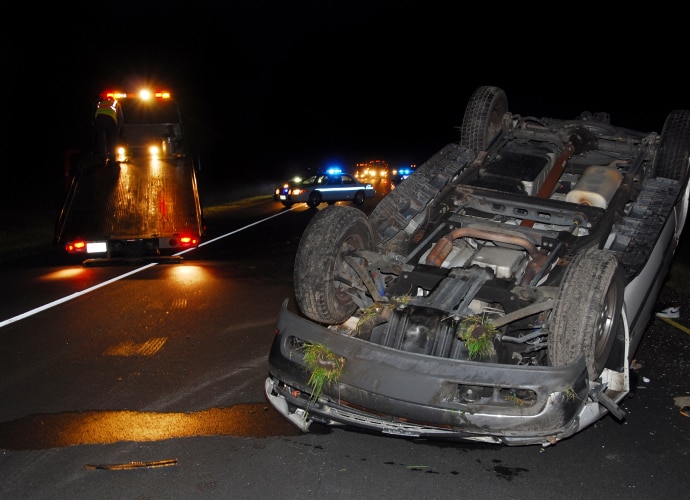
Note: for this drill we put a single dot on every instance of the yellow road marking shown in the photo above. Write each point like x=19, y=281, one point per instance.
x=677, y=325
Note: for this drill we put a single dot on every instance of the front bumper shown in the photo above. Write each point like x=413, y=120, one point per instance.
x=408, y=394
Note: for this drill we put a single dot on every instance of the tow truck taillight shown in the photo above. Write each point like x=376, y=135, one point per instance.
x=76, y=246
x=182, y=241
x=82, y=246
x=187, y=241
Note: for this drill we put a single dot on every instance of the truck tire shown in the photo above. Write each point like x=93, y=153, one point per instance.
x=587, y=311
x=321, y=273
x=483, y=118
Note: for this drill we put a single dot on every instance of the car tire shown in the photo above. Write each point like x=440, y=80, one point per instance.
x=483, y=117
x=287, y=203
x=587, y=311
x=674, y=150
x=359, y=198
x=672, y=159
x=321, y=271
x=314, y=199
x=481, y=123
x=400, y=207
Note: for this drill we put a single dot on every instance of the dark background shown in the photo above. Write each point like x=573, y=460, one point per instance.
x=269, y=87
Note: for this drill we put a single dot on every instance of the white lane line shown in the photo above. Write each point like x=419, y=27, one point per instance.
x=238, y=230
x=117, y=278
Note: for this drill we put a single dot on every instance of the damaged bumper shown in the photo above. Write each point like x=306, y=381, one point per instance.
x=407, y=394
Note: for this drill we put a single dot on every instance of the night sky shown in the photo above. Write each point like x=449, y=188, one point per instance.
x=270, y=87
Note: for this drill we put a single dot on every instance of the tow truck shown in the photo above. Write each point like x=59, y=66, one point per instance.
x=145, y=205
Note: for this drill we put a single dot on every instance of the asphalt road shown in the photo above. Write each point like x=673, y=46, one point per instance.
x=95, y=404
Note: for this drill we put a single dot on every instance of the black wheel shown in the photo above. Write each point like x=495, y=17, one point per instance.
x=314, y=199
x=587, y=311
x=674, y=150
x=287, y=203
x=359, y=198
x=321, y=272
x=410, y=200
x=672, y=159
x=483, y=117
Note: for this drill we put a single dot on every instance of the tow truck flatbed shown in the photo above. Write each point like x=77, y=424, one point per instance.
x=144, y=207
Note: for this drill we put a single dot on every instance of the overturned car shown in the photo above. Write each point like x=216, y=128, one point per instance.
x=498, y=294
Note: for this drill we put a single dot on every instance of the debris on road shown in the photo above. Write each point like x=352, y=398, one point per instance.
x=134, y=465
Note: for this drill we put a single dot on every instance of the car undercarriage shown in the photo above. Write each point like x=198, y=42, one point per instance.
x=497, y=294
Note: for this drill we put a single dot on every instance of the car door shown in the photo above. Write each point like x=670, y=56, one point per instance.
x=349, y=186
x=333, y=191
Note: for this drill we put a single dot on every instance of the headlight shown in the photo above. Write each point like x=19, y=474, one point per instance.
x=120, y=154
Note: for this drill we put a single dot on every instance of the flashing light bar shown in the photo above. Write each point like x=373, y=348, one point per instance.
x=143, y=94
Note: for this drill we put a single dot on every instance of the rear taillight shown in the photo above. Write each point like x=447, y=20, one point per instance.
x=187, y=241
x=76, y=246
x=83, y=246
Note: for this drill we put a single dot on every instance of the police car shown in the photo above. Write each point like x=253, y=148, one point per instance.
x=329, y=187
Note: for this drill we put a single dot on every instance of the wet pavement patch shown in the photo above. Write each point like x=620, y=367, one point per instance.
x=57, y=430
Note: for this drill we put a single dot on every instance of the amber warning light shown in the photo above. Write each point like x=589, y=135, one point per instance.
x=143, y=94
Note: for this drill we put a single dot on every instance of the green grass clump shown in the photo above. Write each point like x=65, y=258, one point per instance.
x=325, y=366
x=478, y=333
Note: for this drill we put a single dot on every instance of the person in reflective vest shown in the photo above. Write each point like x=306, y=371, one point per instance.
x=107, y=124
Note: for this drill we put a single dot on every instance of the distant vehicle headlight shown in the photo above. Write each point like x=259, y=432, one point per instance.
x=120, y=154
